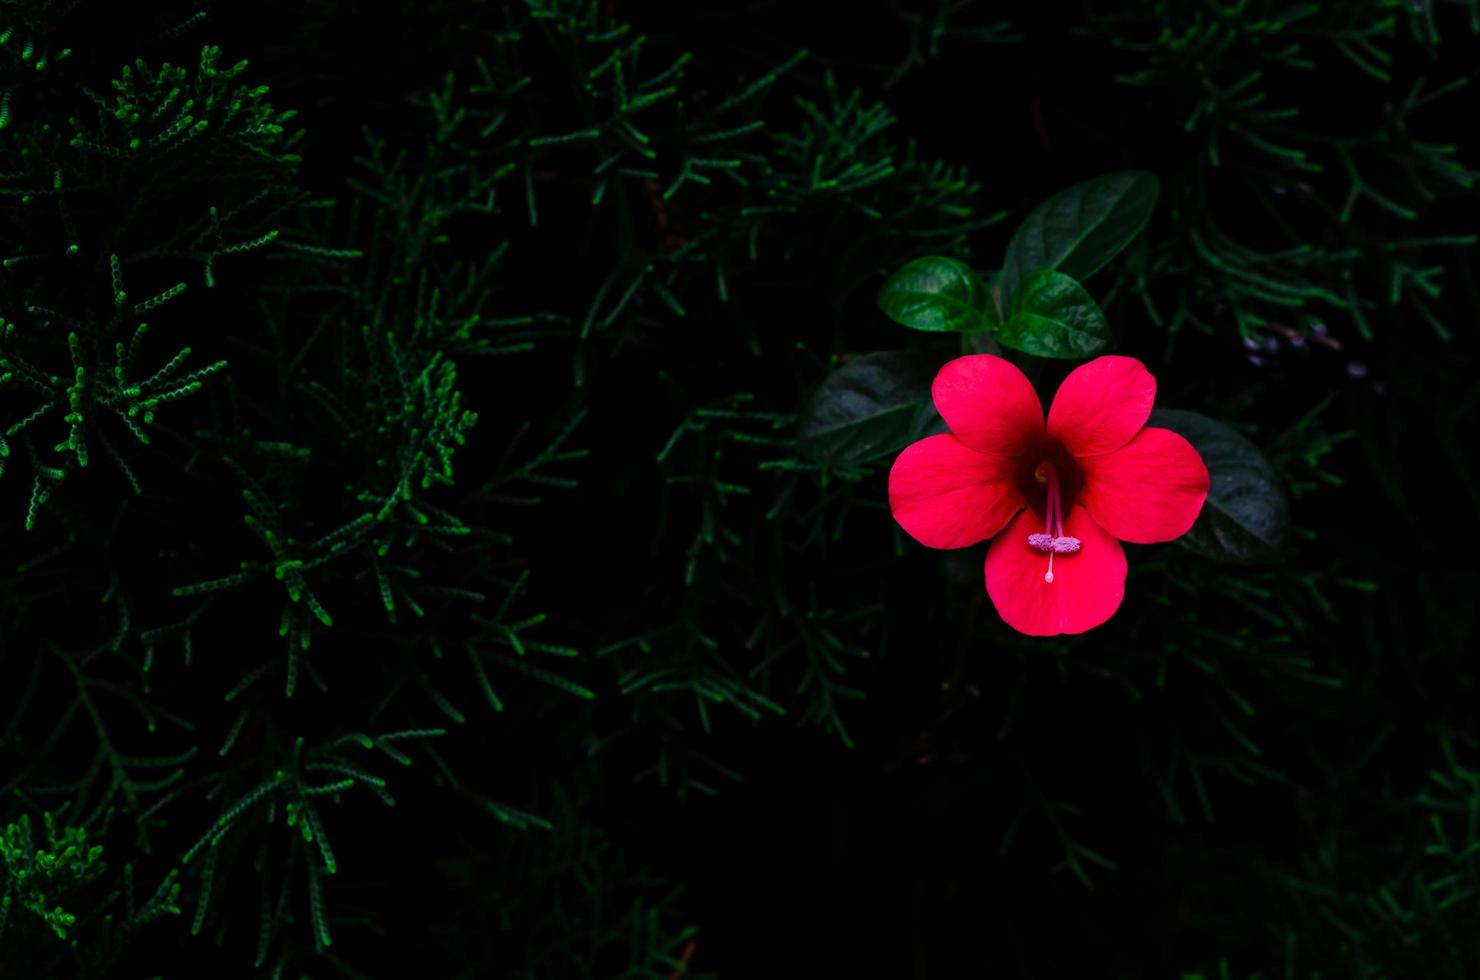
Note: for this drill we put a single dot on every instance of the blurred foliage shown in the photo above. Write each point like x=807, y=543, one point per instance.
x=1337, y=194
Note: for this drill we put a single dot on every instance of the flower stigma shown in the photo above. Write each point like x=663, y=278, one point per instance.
x=1052, y=539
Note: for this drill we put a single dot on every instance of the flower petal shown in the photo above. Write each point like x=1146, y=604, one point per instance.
x=1087, y=585
x=1101, y=405
x=948, y=496
x=1149, y=490
x=989, y=404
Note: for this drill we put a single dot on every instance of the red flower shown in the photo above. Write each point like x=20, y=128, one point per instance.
x=1067, y=493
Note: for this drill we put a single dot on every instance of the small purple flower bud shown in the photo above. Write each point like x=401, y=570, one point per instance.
x=1356, y=369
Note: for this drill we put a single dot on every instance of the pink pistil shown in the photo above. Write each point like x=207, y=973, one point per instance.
x=1052, y=540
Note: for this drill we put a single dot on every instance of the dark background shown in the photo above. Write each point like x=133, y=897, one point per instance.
x=1245, y=752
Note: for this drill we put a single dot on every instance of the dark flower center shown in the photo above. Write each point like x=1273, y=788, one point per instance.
x=1033, y=476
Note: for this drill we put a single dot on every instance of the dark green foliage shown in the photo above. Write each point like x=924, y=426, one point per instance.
x=1411, y=920
x=153, y=117
x=27, y=43
x=568, y=892
x=869, y=407
x=327, y=773
x=444, y=454
x=1337, y=193
x=1410, y=914
x=91, y=392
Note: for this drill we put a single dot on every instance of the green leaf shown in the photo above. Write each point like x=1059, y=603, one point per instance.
x=869, y=407
x=1246, y=520
x=1080, y=229
x=938, y=294
x=1053, y=316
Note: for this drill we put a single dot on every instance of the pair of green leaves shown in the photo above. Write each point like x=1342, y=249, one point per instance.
x=1048, y=313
